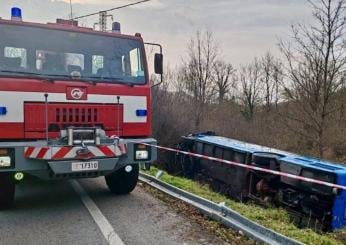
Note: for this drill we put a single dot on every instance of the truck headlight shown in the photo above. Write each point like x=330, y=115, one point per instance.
x=5, y=162
x=142, y=155
x=142, y=152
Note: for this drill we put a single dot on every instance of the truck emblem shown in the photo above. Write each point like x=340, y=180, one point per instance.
x=77, y=93
x=73, y=93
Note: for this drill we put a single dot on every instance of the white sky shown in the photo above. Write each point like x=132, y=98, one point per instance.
x=243, y=28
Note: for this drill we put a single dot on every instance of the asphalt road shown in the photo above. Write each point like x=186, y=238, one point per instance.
x=56, y=213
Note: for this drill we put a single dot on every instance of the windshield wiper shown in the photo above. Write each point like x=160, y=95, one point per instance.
x=104, y=78
x=48, y=77
x=20, y=72
x=34, y=74
x=118, y=80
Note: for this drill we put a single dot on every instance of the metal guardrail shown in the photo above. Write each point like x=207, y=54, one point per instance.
x=219, y=212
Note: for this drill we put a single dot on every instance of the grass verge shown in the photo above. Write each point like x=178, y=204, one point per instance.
x=276, y=219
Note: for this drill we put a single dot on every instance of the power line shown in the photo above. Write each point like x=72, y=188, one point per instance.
x=120, y=7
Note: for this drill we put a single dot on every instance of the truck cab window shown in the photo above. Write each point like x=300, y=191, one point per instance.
x=74, y=63
x=50, y=62
x=64, y=63
x=101, y=58
x=97, y=63
x=136, y=67
x=14, y=58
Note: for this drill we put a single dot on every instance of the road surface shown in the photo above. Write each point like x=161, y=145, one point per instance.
x=85, y=212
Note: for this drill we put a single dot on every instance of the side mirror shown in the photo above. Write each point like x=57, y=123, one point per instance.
x=158, y=64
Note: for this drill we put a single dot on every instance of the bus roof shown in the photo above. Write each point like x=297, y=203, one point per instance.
x=283, y=155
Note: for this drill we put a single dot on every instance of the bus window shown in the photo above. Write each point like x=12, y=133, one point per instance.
x=239, y=157
x=228, y=155
x=208, y=150
x=199, y=148
x=218, y=152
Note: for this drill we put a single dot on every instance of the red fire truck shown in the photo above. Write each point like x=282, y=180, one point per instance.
x=74, y=103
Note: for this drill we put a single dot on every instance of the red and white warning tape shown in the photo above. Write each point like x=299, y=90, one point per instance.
x=292, y=176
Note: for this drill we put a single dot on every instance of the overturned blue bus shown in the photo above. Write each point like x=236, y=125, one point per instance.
x=310, y=204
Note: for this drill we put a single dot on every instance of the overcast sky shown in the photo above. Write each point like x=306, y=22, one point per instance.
x=243, y=28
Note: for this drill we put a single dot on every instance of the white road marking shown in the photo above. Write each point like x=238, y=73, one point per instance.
x=102, y=222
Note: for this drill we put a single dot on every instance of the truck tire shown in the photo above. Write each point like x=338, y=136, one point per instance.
x=121, y=181
x=7, y=188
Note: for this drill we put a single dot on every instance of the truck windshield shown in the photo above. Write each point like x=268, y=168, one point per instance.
x=30, y=51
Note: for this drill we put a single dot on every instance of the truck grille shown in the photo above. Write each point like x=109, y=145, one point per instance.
x=75, y=115
x=62, y=115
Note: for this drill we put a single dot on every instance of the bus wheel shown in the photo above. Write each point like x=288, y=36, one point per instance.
x=124, y=180
x=7, y=188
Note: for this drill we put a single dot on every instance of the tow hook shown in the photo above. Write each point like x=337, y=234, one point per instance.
x=84, y=152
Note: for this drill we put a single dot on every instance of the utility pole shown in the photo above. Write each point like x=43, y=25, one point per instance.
x=103, y=20
x=71, y=16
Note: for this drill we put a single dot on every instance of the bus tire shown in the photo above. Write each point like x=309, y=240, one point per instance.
x=7, y=190
x=121, y=181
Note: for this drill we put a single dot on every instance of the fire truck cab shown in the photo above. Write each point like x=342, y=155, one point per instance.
x=74, y=103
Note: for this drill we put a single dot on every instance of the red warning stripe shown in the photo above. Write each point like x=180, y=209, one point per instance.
x=61, y=153
x=29, y=151
x=42, y=152
x=105, y=150
x=292, y=176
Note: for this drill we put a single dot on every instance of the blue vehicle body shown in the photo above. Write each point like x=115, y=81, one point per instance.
x=294, y=164
x=339, y=171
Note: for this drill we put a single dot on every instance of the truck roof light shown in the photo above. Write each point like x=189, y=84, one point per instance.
x=116, y=27
x=16, y=14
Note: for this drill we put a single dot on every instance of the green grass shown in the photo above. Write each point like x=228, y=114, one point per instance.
x=276, y=219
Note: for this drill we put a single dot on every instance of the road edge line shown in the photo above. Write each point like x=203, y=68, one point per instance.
x=105, y=227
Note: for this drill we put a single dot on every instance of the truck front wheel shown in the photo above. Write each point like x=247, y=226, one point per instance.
x=7, y=188
x=124, y=180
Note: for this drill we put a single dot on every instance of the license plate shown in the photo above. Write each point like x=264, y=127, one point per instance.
x=85, y=166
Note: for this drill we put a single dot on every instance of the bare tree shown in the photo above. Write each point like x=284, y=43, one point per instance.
x=250, y=91
x=316, y=64
x=224, y=79
x=271, y=77
x=278, y=79
x=197, y=72
x=171, y=118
